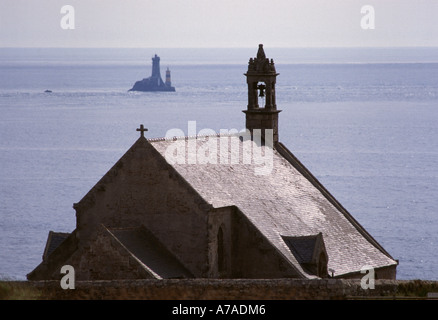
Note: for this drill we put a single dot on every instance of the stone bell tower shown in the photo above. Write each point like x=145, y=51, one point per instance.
x=261, y=77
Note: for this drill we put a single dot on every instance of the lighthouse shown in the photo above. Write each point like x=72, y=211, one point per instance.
x=168, y=81
x=154, y=82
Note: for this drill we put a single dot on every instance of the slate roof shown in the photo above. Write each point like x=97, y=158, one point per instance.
x=302, y=247
x=54, y=240
x=143, y=245
x=283, y=203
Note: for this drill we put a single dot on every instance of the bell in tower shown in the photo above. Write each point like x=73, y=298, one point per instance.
x=261, y=77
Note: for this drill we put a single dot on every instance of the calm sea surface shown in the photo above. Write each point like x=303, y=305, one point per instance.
x=365, y=122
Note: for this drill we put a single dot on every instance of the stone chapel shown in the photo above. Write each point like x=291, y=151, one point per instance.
x=158, y=215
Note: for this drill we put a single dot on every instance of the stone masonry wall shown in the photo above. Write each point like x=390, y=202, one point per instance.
x=203, y=289
x=102, y=260
x=142, y=189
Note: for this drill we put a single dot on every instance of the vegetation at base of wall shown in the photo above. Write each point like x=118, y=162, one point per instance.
x=418, y=288
x=13, y=290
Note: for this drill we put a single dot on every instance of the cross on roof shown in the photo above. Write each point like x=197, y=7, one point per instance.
x=142, y=129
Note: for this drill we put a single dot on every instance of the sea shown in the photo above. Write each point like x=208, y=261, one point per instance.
x=364, y=121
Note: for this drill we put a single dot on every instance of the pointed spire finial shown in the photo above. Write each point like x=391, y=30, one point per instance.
x=261, y=53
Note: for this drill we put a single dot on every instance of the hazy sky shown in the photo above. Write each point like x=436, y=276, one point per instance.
x=218, y=23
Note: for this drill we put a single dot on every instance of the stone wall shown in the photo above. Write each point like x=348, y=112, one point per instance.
x=104, y=260
x=253, y=256
x=203, y=289
x=142, y=189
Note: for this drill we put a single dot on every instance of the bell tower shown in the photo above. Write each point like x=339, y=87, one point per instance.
x=261, y=77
